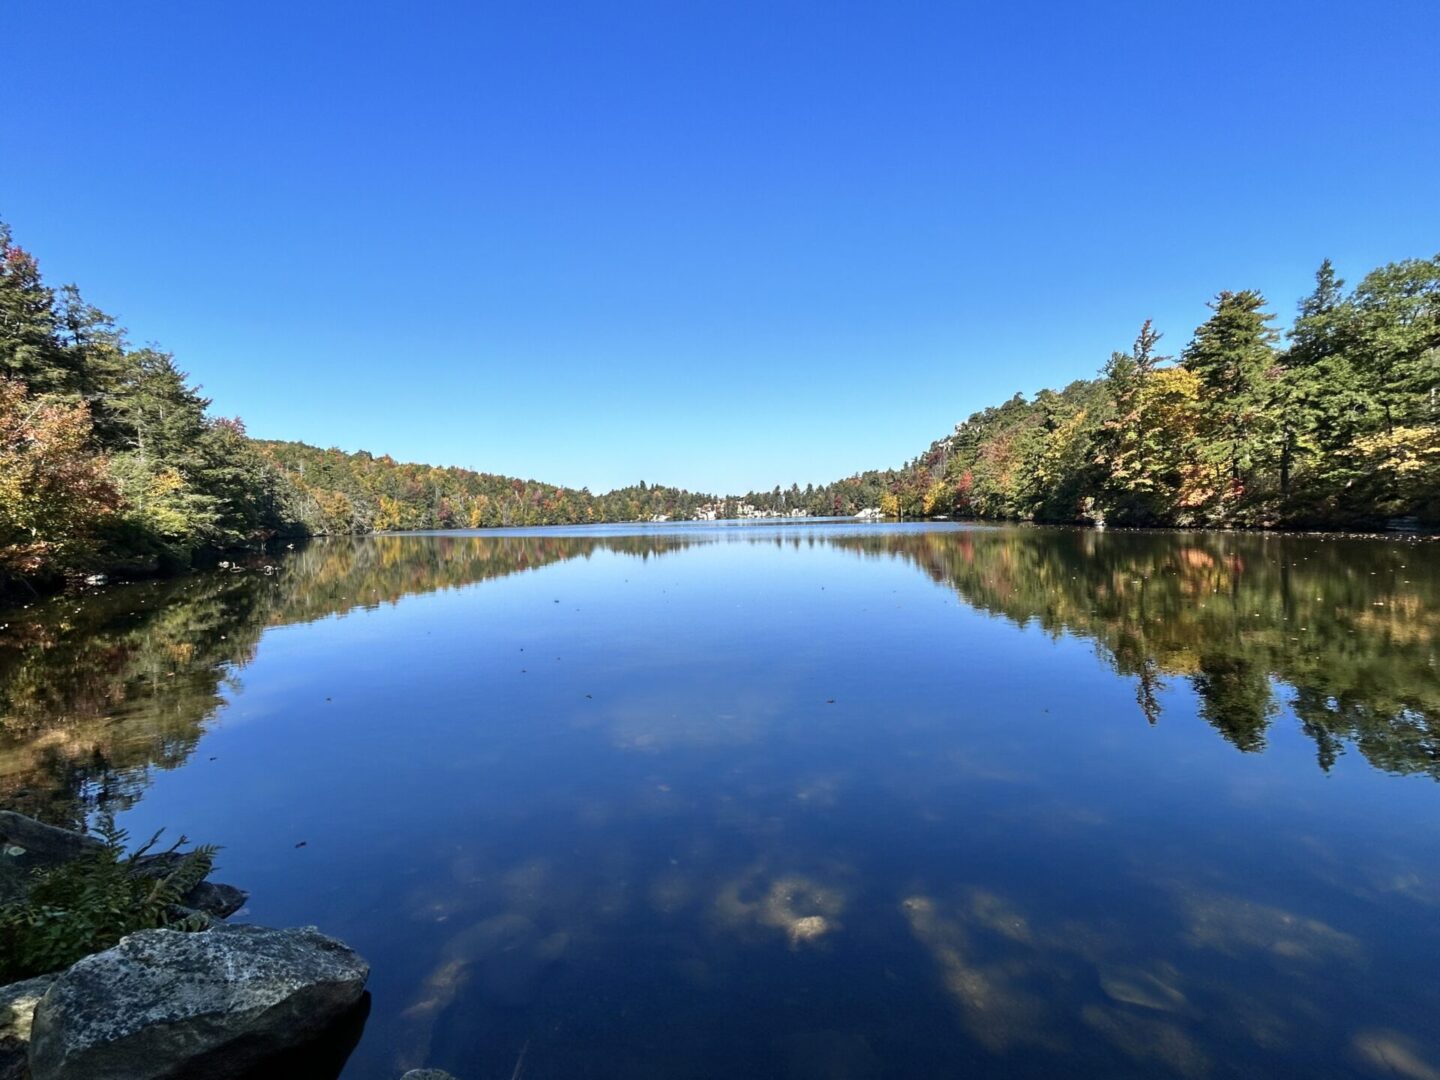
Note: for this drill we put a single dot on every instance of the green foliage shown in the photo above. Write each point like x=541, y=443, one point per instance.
x=29, y=350
x=334, y=492
x=88, y=904
x=1338, y=429
x=1233, y=356
x=118, y=436
x=1139, y=473
x=1392, y=330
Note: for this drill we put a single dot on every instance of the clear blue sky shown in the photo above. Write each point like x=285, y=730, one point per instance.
x=720, y=245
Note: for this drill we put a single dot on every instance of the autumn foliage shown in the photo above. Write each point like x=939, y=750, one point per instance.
x=109, y=458
x=54, y=488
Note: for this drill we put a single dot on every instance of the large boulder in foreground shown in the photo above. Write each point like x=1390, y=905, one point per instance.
x=164, y=1004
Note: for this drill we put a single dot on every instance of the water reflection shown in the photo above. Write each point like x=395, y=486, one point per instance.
x=721, y=802
x=803, y=909
x=1349, y=625
x=95, y=691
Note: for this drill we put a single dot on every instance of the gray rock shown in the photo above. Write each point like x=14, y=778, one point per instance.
x=210, y=897
x=17, y=1011
x=33, y=843
x=14, y=1062
x=191, y=917
x=166, y=1004
x=216, y=899
x=427, y=1074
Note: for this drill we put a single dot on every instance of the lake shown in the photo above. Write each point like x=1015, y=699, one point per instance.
x=809, y=800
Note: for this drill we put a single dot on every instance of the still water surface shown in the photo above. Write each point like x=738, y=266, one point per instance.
x=796, y=801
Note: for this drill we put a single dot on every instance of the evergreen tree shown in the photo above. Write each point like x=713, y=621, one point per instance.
x=1233, y=356
x=1394, y=333
x=1325, y=404
x=1136, y=487
x=1393, y=337
x=28, y=348
x=93, y=348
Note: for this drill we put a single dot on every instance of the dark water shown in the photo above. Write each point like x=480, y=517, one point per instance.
x=815, y=801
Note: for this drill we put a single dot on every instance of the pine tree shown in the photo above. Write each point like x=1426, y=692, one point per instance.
x=1394, y=333
x=1325, y=405
x=1137, y=488
x=1233, y=356
x=29, y=350
x=93, y=348
x=1393, y=337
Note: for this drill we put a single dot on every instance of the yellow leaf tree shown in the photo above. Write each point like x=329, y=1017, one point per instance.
x=53, y=486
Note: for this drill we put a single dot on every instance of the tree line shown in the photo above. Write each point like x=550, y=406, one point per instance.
x=110, y=459
x=1335, y=424
x=332, y=491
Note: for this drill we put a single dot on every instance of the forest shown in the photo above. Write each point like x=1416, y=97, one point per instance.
x=111, y=460
x=1335, y=424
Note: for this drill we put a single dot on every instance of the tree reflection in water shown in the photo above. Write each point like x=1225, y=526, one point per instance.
x=95, y=691
x=890, y=884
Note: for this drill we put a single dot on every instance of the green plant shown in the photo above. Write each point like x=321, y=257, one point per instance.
x=90, y=903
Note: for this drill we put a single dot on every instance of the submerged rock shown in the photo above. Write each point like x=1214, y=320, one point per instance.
x=216, y=899
x=427, y=1074
x=13, y=881
x=27, y=845
x=165, y=1004
x=505, y=958
x=211, y=897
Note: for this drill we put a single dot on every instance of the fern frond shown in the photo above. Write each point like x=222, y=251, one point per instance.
x=139, y=852
x=89, y=903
